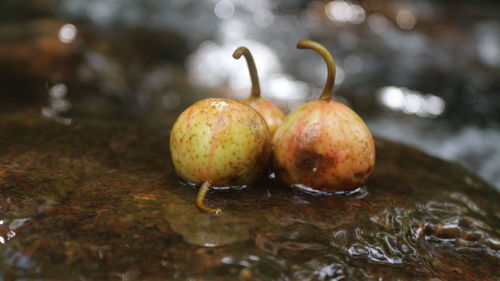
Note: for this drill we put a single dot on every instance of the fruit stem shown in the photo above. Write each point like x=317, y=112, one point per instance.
x=200, y=199
x=330, y=65
x=251, y=68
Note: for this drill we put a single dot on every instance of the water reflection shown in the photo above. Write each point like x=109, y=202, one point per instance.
x=378, y=23
x=67, y=33
x=488, y=45
x=410, y=101
x=343, y=11
x=284, y=87
x=16, y=223
x=406, y=19
x=224, y=9
x=263, y=17
x=58, y=104
x=353, y=64
x=9, y=255
x=18, y=259
x=212, y=64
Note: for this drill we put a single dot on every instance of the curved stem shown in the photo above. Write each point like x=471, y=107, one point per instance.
x=330, y=65
x=251, y=68
x=200, y=199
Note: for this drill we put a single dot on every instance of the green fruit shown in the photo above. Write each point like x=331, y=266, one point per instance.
x=271, y=113
x=219, y=142
x=323, y=144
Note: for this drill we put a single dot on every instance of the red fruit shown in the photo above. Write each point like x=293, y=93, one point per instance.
x=323, y=144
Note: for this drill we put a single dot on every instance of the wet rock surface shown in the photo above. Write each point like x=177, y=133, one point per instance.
x=100, y=201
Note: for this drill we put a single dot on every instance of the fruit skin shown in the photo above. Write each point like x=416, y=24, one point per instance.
x=271, y=113
x=324, y=145
x=220, y=141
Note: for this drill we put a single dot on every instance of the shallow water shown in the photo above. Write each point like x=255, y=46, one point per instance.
x=99, y=200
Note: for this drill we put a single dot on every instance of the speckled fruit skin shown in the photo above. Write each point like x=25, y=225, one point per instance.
x=271, y=113
x=324, y=145
x=221, y=141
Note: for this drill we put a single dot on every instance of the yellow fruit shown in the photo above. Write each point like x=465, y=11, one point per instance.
x=323, y=144
x=219, y=142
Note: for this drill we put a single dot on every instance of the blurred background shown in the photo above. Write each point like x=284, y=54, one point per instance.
x=426, y=73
